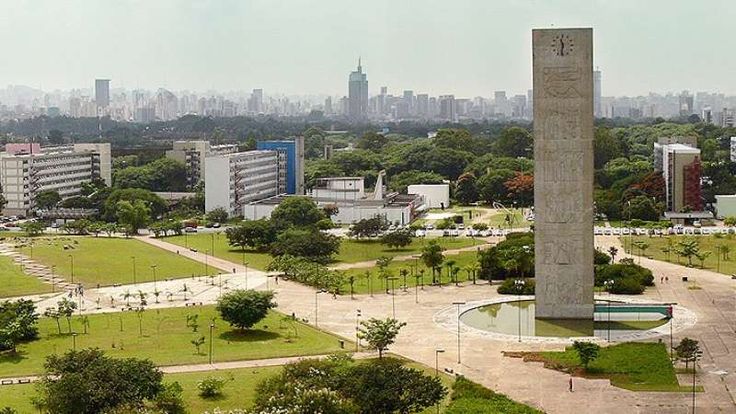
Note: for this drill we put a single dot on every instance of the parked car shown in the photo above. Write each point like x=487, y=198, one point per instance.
x=190, y=229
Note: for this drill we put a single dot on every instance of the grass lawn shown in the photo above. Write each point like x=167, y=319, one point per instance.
x=378, y=285
x=166, y=339
x=707, y=244
x=498, y=220
x=106, y=261
x=13, y=282
x=631, y=365
x=351, y=251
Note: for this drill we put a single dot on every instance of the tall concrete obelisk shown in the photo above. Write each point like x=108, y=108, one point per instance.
x=563, y=172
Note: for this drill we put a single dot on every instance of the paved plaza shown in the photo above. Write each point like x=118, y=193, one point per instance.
x=481, y=358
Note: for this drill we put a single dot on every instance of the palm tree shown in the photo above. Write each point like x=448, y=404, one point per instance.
x=455, y=271
x=404, y=273
x=383, y=273
x=688, y=248
x=702, y=256
x=351, y=281
x=432, y=257
x=126, y=297
x=450, y=264
x=613, y=251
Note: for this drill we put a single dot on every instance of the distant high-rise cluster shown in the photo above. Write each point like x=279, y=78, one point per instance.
x=357, y=104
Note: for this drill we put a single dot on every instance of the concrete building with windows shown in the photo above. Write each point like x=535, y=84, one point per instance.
x=681, y=169
x=434, y=195
x=30, y=170
x=193, y=155
x=234, y=180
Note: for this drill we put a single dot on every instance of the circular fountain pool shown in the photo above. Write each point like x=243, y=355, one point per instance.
x=612, y=320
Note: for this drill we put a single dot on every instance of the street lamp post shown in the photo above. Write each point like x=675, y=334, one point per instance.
x=212, y=243
x=71, y=259
x=393, y=296
x=357, y=332
x=246, y=272
x=133, y=257
x=437, y=353
x=74, y=341
x=416, y=288
x=519, y=285
x=53, y=279
x=219, y=277
x=316, y=306
x=206, y=264
x=212, y=328
x=458, y=304
x=607, y=284
x=153, y=269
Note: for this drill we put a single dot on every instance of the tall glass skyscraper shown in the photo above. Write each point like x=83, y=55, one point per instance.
x=358, y=93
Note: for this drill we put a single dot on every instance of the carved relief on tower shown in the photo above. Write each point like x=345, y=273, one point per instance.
x=562, y=166
x=562, y=206
x=561, y=82
x=562, y=252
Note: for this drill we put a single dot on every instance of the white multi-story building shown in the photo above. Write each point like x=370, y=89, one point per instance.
x=193, y=155
x=26, y=173
x=733, y=149
x=234, y=180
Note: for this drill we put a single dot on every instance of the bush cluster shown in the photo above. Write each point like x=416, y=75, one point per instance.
x=508, y=287
x=471, y=398
x=628, y=278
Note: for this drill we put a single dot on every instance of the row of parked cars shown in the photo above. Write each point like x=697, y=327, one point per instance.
x=671, y=231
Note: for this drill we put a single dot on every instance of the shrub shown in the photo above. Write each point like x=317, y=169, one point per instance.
x=245, y=308
x=508, y=287
x=210, y=387
x=471, y=398
x=627, y=277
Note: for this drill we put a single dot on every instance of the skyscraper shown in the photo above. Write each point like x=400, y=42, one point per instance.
x=102, y=93
x=597, y=94
x=256, y=101
x=357, y=93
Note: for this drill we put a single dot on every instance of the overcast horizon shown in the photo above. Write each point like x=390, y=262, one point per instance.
x=467, y=48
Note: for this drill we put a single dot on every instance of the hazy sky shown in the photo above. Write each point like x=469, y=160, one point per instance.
x=466, y=47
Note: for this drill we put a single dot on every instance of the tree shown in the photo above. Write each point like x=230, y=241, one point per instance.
x=296, y=211
x=458, y=139
x=46, y=200
x=385, y=386
x=613, y=251
x=169, y=400
x=402, y=180
x=688, y=248
x=587, y=352
x=257, y=234
x=56, y=137
x=432, y=257
x=520, y=189
x=33, y=228
x=134, y=216
x=605, y=147
x=466, y=191
x=688, y=350
x=372, y=141
x=89, y=382
x=217, y=215
x=383, y=263
x=155, y=203
x=244, y=308
x=397, y=239
x=210, y=387
x=308, y=243
x=66, y=309
x=641, y=207
x=514, y=142
x=371, y=227
x=702, y=256
x=380, y=333
x=492, y=186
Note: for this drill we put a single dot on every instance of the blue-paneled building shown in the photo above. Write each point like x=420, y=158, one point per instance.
x=293, y=167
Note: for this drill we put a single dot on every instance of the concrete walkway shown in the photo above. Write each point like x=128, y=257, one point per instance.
x=216, y=366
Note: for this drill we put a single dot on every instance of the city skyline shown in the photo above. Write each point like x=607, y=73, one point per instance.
x=304, y=48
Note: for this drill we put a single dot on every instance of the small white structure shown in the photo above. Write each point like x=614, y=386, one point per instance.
x=435, y=195
x=339, y=188
x=725, y=206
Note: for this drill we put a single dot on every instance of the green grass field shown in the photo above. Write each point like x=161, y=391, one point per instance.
x=633, y=366
x=498, y=220
x=106, y=261
x=166, y=339
x=351, y=251
x=13, y=282
x=378, y=285
x=706, y=243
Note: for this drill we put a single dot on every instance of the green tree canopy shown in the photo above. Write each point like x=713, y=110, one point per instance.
x=296, y=211
x=244, y=308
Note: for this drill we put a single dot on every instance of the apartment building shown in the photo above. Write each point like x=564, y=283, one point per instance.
x=193, y=155
x=27, y=170
x=234, y=180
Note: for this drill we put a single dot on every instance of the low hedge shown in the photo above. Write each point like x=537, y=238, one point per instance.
x=508, y=287
x=471, y=398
